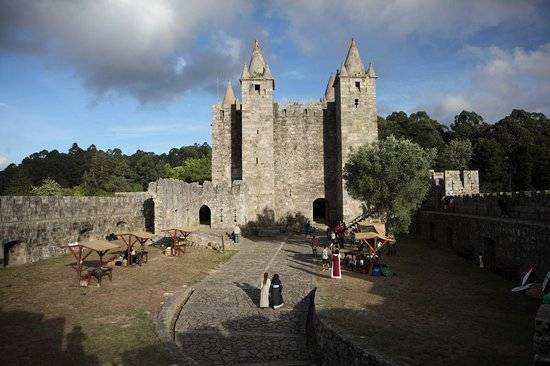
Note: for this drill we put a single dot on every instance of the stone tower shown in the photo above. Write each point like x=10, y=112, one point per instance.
x=356, y=117
x=257, y=87
x=223, y=116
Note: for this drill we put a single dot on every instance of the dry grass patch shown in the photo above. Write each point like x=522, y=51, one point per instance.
x=438, y=309
x=46, y=318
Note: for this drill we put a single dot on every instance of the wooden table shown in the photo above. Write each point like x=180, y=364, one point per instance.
x=130, y=238
x=370, y=240
x=179, y=237
x=82, y=250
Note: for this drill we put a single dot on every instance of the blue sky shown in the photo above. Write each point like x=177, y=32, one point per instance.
x=143, y=75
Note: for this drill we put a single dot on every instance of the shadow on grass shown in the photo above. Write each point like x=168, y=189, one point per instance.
x=29, y=339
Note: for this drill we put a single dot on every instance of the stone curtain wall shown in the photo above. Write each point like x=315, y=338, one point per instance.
x=34, y=228
x=507, y=245
x=299, y=158
x=528, y=205
x=459, y=183
x=177, y=203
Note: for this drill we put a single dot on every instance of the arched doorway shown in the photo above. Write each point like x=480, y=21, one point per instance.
x=320, y=210
x=204, y=215
x=15, y=253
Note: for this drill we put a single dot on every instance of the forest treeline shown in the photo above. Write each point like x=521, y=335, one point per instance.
x=511, y=154
x=101, y=173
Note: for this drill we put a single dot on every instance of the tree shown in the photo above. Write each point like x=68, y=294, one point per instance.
x=469, y=125
x=456, y=155
x=193, y=170
x=49, y=187
x=391, y=177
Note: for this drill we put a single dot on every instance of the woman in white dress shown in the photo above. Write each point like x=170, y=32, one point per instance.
x=264, y=291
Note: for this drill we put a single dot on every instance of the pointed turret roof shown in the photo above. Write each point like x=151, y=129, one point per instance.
x=370, y=71
x=258, y=67
x=343, y=71
x=329, y=91
x=245, y=74
x=229, y=97
x=353, y=63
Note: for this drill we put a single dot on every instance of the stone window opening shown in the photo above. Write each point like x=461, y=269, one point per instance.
x=257, y=88
x=256, y=161
x=305, y=111
x=223, y=114
x=356, y=103
x=234, y=215
x=358, y=85
x=84, y=233
x=257, y=132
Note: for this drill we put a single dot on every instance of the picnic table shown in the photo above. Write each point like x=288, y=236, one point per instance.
x=82, y=250
x=179, y=236
x=131, y=238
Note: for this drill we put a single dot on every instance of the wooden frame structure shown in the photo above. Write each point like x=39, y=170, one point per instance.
x=131, y=238
x=179, y=236
x=101, y=247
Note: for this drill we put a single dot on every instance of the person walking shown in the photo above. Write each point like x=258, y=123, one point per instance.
x=324, y=258
x=264, y=291
x=314, y=245
x=336, y=271
x=237, y=234
x=276, y=292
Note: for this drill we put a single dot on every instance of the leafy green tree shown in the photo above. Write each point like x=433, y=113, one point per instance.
x=469, y=125
x=193, y=170
x=391, y=177
x=15, y=181
x=456, y=155
x=49, y=187
x=148, y=167
x=109, y=172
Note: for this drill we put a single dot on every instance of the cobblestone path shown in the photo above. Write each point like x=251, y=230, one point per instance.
x=222, y=324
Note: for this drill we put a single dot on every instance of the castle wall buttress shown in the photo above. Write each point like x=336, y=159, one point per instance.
x=222, y=117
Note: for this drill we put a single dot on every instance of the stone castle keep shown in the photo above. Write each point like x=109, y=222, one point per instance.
x=290, y=158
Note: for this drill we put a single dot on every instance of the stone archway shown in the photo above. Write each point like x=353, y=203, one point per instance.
x=15, y=253
x=320, y=210
x=205, y=215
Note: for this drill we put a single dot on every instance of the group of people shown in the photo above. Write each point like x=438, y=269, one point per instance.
x=271, y=292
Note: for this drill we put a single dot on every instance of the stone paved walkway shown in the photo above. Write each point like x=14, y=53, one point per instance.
x=221, y=323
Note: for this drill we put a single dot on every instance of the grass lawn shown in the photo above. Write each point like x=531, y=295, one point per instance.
x=45, y=318
x=439, y=309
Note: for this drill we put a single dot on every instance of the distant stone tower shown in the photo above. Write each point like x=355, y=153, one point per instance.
x=222, y=118
x=356, y=116
x=257, y=87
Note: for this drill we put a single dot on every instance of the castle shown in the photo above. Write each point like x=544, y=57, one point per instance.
x=290, y=158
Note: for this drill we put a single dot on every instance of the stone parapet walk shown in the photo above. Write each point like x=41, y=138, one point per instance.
x=221, y=322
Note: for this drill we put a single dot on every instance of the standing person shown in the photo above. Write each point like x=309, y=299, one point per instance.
x=336, y=272
x=237, y=233
x=324, y=257
x=276, y=292
x=314, y=245
x=264, y=291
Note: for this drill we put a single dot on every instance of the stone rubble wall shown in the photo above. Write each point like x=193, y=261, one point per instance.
x=328, y=345
x=507, y=245
x=177, y=203
x=541, y=340
x=299, y=158
x=39, y=226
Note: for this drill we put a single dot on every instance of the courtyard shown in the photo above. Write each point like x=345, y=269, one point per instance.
x=437, y=309
x=46, y=319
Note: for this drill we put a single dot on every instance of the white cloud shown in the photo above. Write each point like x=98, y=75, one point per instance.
x=129, y=46
x=4, y=162
x=308, y=19
x=501, y=81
